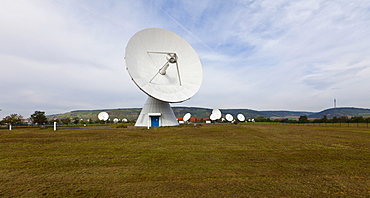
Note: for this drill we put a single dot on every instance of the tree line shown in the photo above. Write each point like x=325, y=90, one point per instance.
x=39, y=118
x=324, y=119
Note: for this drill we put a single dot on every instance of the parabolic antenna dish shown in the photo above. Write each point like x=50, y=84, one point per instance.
x=163, y=65
x=217, y=113
x=103, y=116
x=213, y=117
x=187, y=117
x=241, y=117
x=115, y=120
x=229, y=117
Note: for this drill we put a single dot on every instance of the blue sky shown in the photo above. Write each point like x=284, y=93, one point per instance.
x=63, y=55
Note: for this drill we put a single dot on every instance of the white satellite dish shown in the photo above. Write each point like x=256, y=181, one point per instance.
x=165, y=67
x=103, y=116
x=187, y=117
x=217, y=113
x=241, y=117
x=115, y=120
x=213, y=117
x=124, y=120
x=229, y=117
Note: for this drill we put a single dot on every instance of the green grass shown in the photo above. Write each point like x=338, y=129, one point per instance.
x=214, y=160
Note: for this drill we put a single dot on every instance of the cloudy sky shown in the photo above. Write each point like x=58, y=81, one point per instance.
x=63, y=55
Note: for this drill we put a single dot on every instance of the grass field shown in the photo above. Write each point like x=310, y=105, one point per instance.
x=214, y=160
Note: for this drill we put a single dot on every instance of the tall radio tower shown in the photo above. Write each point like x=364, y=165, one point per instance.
x=335, y=103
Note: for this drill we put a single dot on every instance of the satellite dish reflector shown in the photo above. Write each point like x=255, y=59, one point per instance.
x=229, y=117
x=124, y=120
x=165, y=67
x=187, y=117
x=217, y=113
x=103, y=116
x=115, y=120
x=241, y=117
x=213, y=117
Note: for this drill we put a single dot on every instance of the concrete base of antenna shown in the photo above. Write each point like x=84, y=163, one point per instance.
x=156, y=113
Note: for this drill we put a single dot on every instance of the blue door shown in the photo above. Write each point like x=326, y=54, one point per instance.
x=154, y=121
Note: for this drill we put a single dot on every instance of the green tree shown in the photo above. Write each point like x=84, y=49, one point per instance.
x=261, y=119
x=13, y=119
x=66, y=120
x=357, y=119
x=343, y=119
x=76, y=120
x=303, y=119
x=38, y=117
x=324, y=118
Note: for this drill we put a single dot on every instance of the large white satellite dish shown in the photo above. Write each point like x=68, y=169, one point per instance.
x=229, y=117
x=187, y=117
x=103, y=116
x=165, y=67
x=241, y=117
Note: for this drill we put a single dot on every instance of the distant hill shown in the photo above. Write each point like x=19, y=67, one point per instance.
x=342, y=111
x=248, y=113
x=198, y=112
x=129, y=113
x=286, y=113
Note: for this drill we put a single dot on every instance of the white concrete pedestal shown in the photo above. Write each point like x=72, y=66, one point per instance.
x=156, y=109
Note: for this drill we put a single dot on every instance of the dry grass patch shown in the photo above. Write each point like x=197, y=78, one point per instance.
x=216, y=160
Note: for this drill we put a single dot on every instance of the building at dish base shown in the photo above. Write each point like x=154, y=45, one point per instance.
x=156, y=113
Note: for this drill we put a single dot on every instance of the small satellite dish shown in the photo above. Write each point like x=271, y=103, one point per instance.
x=124, y=120
x=217, y=113
x=115, y=120
x=165, y=67
x=241, y=117
x=229, y=117
x=187, y=117
x=213, y=117
x=103, y=116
